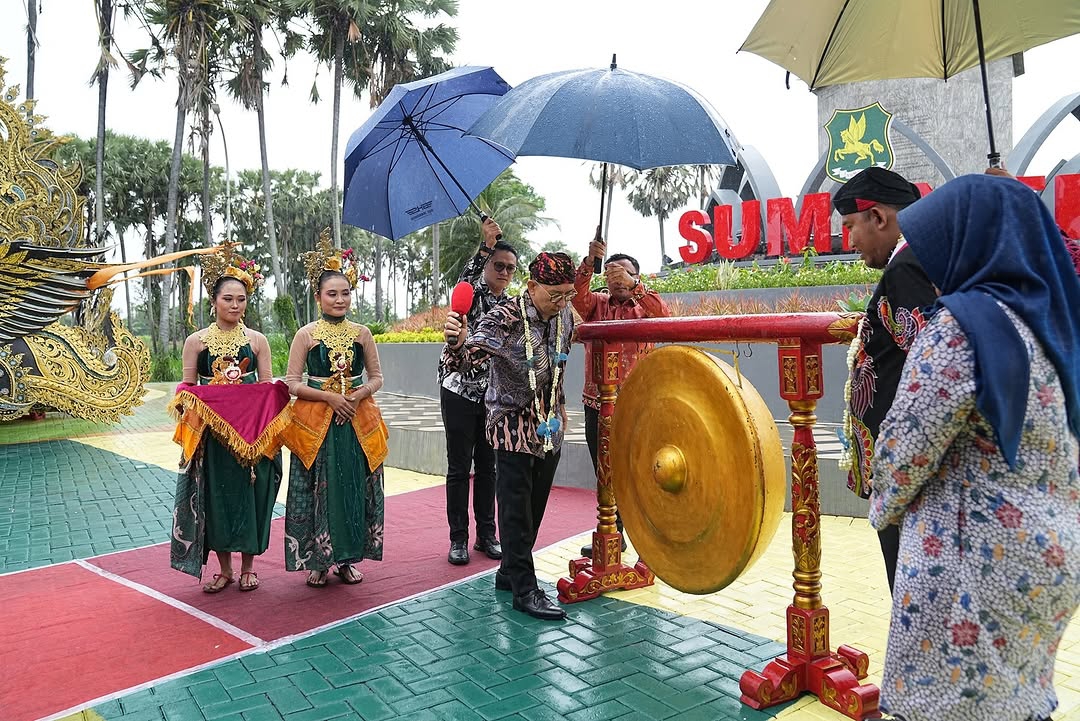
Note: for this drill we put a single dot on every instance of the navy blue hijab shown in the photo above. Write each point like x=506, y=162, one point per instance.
x=982, y=239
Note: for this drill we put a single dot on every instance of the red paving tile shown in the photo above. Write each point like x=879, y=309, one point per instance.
x=414, y=561
x=70, y=636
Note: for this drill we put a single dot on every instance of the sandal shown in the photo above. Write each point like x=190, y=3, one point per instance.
x=213, y=586
x=343, y=572
x=316, y=579
x=250, y=585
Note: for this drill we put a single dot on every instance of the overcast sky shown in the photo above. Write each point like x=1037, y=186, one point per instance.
x=692, y=41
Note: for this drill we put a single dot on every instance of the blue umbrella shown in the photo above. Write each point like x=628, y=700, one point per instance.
x=609, y=115
x=410, y=165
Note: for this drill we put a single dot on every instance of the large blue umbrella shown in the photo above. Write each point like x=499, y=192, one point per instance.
x=411, y=165
x=609, y=115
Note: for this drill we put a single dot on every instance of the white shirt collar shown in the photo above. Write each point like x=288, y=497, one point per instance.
x=901, y=243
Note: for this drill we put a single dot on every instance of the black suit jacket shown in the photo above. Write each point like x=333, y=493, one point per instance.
x=893, y=319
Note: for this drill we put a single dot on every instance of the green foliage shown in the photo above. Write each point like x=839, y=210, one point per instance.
x=166, y=367
x=410, y=336
x=782, y=275
x=285, y=315
x=377, y=328
x=854, y=303
x=279, y=352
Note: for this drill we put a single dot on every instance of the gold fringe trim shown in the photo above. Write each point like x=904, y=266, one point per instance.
x=247, y=454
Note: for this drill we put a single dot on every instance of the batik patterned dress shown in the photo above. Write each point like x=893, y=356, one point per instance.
x=989, y=566
x=334, y=511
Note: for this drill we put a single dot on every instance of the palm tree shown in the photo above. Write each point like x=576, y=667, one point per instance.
x=384, y=48
x=616, y=175
x=103, y=9
x=249, y=63
x=512, y=204
x=658, y=192
x=188, y=27
x=31, y=46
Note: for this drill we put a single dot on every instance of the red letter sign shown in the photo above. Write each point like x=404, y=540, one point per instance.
x=1067, y=204
x=816, y=215
x=699, y=244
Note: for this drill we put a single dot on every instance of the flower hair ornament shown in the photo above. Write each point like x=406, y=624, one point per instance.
x=326, y=257
x=227, y=263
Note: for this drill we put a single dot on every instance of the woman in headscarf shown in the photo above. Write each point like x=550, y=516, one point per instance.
x=977, y=461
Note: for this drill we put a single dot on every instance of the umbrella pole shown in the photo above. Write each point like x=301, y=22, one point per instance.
x=423, y=141
x=994, y=156
x=598, y=264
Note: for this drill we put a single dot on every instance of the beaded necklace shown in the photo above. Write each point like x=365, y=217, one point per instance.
x=548, y=425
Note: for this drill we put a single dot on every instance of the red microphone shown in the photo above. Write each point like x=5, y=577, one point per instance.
x=461, y=302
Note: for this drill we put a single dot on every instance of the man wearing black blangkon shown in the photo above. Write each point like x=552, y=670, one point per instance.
x=527, y=341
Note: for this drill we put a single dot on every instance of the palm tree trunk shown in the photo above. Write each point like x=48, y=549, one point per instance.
x=208, y=230
x=127, y=287
x=170, y=209
x=268, y=196
x=31, y=46
x=105, y=8
x=663, y=251
x=339, y=59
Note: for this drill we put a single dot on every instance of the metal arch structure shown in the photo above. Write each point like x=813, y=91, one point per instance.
x=817, y=177
x=1024, y=151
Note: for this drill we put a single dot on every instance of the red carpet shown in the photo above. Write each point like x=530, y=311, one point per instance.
x=71, y=636
x=414, y=560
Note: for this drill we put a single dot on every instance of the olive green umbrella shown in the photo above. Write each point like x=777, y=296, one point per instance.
x=831, y=42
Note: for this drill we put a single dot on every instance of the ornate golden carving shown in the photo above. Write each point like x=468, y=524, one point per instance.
x=612, y=375
x=812, y=365
x=97, y=384
x=38, y=199
x=791, y=375
x=797, y=624
x=845, y=327
x=606, y=582
x=806, y=541
x=828, y=694
x=95, y=369
x=821, y=633
x=789, y=687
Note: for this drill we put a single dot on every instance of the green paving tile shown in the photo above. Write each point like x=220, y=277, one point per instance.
x=498, y=665
x=51, y=490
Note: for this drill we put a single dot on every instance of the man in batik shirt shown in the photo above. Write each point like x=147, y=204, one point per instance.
x=868, y=204
x=462, y=398
x=527, y=340
x=625, y=297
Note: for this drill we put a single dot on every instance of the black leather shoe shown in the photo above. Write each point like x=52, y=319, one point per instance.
x=459, y=553
x=502, y=581
x=489, y=546
x=538, y=605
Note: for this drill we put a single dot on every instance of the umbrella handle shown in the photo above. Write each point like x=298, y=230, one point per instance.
x=483, y=217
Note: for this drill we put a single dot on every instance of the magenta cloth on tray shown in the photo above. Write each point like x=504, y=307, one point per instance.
x=248, y=408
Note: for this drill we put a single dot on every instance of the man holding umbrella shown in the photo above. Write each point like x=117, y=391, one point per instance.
x=462, y=398
x=626, y=297
x=868, y=204
x=527, y=342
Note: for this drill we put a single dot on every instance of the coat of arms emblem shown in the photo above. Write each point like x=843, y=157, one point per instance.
x=858, y=139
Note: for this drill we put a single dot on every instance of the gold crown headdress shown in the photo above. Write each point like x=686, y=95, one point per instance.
x=226, y=262
x=326, y=257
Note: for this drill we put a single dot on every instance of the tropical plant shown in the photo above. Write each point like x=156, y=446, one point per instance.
x=248, y=62
x=514, y=205
x=657, y=192
x=617, y=175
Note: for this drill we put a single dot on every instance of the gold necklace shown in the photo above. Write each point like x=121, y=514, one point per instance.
x=338, y=339
x=224, y=343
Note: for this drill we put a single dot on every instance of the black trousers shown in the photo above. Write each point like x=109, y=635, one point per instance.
x=466, y=448
x=523, y=485
x=890, y=549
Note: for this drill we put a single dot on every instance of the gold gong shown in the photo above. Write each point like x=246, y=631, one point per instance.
x=697, y=468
